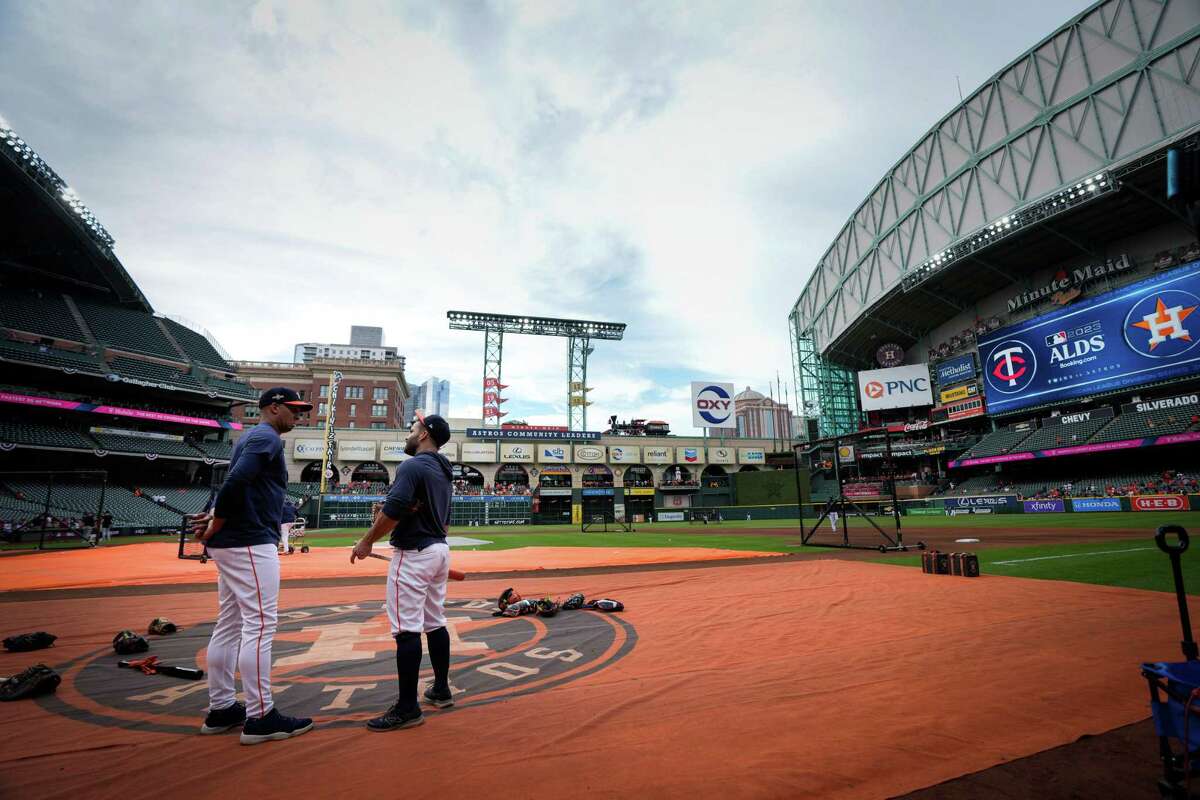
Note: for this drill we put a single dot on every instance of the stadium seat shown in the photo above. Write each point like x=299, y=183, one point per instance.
x=198, y=348
x=154, y=372
x=43, y=313
x=37, y=435
x=45, y=356
x=126, y=329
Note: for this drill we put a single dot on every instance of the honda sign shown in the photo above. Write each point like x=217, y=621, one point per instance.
x=899, y=387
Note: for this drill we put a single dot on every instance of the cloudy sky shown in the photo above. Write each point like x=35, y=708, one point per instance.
x=278, y=171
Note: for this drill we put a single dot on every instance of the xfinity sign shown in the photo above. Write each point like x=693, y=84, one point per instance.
x=899, y=387
x=712, y=405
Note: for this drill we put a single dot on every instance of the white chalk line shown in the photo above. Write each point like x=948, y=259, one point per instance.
x=1074, y=555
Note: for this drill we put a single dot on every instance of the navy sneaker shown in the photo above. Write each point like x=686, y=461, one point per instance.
x=274, y=726
x=438, y=699
x=394, y=719
x=222, y=719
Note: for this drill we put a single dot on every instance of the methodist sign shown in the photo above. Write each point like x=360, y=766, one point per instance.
x=712, y=405
x=899, y=387
x=1142, y=333
x=955, y=370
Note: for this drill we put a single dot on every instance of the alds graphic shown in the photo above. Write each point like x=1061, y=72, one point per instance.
x=336, y=664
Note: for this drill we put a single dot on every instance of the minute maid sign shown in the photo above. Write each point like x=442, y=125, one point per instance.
x=1142, y=333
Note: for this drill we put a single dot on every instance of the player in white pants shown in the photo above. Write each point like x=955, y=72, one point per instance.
x=241, y=534
x=833, y=519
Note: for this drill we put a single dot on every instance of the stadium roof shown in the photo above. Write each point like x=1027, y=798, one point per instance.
x=50, y=234
x=1106, y=92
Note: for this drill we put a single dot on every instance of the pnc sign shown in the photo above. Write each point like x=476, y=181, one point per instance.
x=712, y=405
x=898, y=387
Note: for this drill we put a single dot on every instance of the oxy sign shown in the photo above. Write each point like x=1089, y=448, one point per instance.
x=899, y=387
x=712, y=405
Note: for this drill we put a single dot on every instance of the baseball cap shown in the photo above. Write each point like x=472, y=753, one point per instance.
x=439, y=429
x=284, y=395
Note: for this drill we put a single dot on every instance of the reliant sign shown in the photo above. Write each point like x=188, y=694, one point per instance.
x=657, y=455
x=899, y=387
x=1078, y=277
x=712, y=405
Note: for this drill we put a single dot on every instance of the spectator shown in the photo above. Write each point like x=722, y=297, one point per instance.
x=106, y=521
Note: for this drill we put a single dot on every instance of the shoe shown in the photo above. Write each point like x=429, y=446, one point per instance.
x=274, y=726
x=394, y=719
x=437, y=700
x=222, y=719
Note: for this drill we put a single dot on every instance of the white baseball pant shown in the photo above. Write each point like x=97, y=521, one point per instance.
x=248, y=592
x=833, y=519
x=416, y=589
x=285, y=530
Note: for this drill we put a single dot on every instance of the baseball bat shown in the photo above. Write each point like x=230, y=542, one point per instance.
x=191, y=673
x=455, y=575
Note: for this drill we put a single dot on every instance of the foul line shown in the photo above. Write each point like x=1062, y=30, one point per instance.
x=1073, y=555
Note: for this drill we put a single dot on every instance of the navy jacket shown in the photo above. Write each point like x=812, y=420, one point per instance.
x=251, y=499
x=420, y=500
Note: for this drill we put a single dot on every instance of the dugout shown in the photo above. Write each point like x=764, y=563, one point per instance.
x=552, y=501
x=597, y=493
x=639, y=493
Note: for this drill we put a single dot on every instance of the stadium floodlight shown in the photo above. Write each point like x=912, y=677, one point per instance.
x=1065, y=199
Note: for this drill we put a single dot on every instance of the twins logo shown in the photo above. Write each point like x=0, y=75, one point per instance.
x=714, y=404
x=1155, y=326
x=1012, y=366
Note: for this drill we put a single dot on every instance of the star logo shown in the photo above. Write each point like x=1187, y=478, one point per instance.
x=1157, y=324
x=1165, y=323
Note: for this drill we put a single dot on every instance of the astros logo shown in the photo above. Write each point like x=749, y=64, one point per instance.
x=1155, y=326
x=1011, y=366
x=336, y=664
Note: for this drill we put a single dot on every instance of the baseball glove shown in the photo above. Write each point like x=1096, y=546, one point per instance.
x=128, y=642
x=508, y=597
x=161, y=626
x=573, y=602
x=546, y=607
x=604, y=604
x=25, y=642
x=37, y=680
x=520, y=608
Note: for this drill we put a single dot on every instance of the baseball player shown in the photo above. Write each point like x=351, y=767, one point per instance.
x=416, y=514
x=242, y=537
x=285, y=527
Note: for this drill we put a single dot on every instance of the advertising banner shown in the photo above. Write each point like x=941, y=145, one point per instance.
x=1082, y=416
x=1096, y=504
x=1043, y=506
x=1005, y=502
x=355, y=450
x=955, y=370
x=845, y=454
x=394, y=451
x=670, y=516
x=752, y=455
x=552, y=453
x=478, y=453
x=898, y=387
x=555, y=491
x=689, y=455
x=115, y=411
x=721, y=455
x=1082, y=449
x=308, y=449
x=526, y=433
x=624, y=454
x=1185, y=402
x=449, y=450
x=1159, y=502
x=513, y=452
x=641, y=491
x=712, y=405
x=958, y=393
x=657, y=455
x=1132, y=336
x=597, y=492
x=589, y=454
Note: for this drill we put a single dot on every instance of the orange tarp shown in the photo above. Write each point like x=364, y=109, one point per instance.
x=156, y=563
x=820, y=678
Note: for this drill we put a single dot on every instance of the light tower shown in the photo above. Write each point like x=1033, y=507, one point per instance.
x=578, y=332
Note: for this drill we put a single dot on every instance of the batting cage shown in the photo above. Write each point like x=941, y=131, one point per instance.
x=867, y=493
x=42, y=510
x=603, y=522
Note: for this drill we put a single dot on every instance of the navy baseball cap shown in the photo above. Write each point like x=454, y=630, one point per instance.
x=284, y=396
x=439, y=429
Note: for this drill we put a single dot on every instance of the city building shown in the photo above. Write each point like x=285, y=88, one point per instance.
x=761, y=417
x=366, y=343
x=432, y=397
x=372, y=394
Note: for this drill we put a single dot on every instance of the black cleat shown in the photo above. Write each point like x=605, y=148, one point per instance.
x=222, y=719
x=437, y=699
x=394, y=719
x=274, y=726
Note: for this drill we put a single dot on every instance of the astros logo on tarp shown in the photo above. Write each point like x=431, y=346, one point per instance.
x=1011, y=366
x=336, y=664
x=1157, y=325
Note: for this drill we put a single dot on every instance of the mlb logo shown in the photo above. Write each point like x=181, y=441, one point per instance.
x=1056, y=338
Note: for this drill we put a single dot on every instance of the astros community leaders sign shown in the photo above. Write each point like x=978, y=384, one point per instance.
x=898, y=387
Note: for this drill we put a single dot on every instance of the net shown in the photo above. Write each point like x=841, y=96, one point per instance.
x=605, y=523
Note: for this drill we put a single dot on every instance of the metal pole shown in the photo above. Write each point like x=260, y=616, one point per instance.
x=799, y=493
x=103, y=492
x=46, y=512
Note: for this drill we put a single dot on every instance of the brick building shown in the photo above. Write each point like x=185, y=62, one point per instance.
x=372, y=393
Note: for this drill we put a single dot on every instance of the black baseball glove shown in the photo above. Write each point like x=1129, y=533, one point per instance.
x=604, y=604
x=37, y=680
x=25, y=642
x=508, y=597
x=546, y=607
x=127, y=642
x=161, y=626
x=573, y=602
